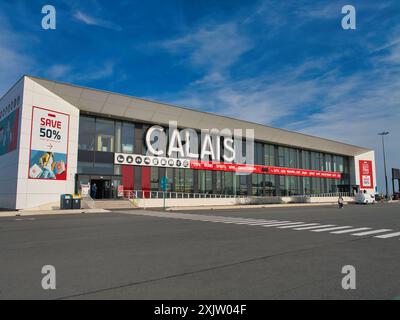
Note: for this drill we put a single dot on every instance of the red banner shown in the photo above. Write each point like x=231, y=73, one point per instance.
x=232, y=167
x=366, y=177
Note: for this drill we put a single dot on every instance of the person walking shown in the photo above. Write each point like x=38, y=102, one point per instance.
x=94, y=191
x=340, y=202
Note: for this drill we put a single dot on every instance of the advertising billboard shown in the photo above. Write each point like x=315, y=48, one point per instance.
x=49, y=145
x=366, y=174
x=9, y=132
x=9, y=123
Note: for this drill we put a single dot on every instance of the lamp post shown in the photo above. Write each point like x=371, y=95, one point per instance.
x=383, y=134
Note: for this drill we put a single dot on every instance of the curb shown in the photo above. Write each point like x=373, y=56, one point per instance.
x=24, y=213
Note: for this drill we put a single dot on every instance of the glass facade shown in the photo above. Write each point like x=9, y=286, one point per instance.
x=100, y=138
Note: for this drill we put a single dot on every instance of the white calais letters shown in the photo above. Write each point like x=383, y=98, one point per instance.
x=191, y=143
x=184, y=144
x=207, y=147
x=175, y=144
x=156, y=147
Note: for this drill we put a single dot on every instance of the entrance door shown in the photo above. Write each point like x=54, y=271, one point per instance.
x=100, y=189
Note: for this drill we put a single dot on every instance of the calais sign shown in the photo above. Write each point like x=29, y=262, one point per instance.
x=215, y=144
x=49, y=144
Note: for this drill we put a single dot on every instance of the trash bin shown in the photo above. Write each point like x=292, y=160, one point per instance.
x=66, y=202
x=76, y=201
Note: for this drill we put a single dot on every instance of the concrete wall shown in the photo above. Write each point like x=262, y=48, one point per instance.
x=9, y=161
x=31, y=192
x=199, y=202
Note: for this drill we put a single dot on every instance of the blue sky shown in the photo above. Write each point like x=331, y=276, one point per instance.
x=287, y=64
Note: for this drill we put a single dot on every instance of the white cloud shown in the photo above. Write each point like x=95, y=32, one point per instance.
x=13, y=62
x=58, y=71
x=74, y=74
x=215, y=47
x=92, y=21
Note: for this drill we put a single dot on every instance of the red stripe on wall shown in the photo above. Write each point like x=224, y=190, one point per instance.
x=127, y=177
x=146, y=174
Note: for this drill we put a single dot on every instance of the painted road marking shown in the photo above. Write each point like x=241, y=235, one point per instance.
x=248, y=223
x=389, y=235
x=331, y=229
x=315, y=227
x=350, y=230
x=301, y=225
x=263, y=223
x=282, y=224
x=366, y=233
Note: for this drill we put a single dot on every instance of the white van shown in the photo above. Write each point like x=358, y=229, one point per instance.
x=365, y=198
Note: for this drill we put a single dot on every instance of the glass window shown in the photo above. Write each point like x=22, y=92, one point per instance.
x=154, y=179
x=305, y=159
x=205, y=181
x=306, y=185
x=269, y=184
x=317, y=161
x=219, y=181
x=269, y=155
x=257, y=184
x=284, y=184
x=208, y=182
x=105, y=135
x=180, y=180
x=281, y=156
x=118, y=131
x=103, y=168
x=127, y=137
x=86, y=133
x=85, y=167
x=241, y=184
x=189, y=187
x=258, y=154
x=328, y=162
x=228, y=179
x=170, y=176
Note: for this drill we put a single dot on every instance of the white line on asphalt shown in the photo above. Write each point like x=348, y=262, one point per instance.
x=255, y=224
x=301, y=225
x=330, y=229
x=233, y=220
x=282, y=224
x=247, y=222
x=389, y=235
x=260, y=223
x=366, y=233
x=315, y=227
x=350, y=230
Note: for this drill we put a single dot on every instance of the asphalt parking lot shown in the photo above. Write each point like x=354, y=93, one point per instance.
x=271, y=253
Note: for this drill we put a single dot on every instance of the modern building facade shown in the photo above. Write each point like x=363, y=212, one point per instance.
x=59, y=138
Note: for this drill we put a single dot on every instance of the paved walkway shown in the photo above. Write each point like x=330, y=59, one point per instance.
x=48, y=212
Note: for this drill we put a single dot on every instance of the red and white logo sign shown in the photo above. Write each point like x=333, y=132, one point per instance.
x=366, y=175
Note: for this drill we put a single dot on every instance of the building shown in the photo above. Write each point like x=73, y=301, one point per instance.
x=58, y=138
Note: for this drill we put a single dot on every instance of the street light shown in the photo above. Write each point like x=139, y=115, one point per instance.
x=383, y=134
